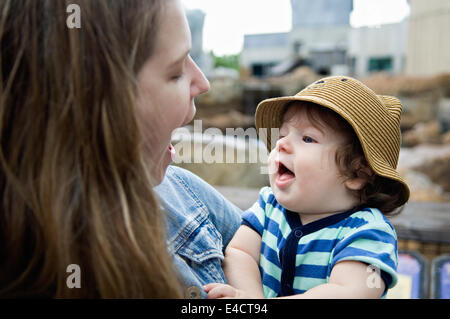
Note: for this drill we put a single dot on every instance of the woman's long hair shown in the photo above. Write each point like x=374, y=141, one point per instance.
x=74, y=185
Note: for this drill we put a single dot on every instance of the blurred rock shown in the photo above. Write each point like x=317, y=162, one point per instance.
x=443, y=115
x=223, y=90
x=422, y=107
x=421, y=133
x=254, y=91
x=444, y=83
x=422, y=188
x=401, y=85
x=222, y=160
x=438, y=171
x=446, y=138
x=407, y=121
x=225, y=95
x=239, y=175
x=426, y=169
x=411, y=157
x=223, y=73
x=292, y=83
x=230, y=119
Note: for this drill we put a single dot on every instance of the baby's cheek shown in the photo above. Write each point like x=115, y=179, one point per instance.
x=272, y=161
x=327, y=159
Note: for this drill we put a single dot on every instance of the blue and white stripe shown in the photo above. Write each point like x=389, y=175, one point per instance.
x=364, y=235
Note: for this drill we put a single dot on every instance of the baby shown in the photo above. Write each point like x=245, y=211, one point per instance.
x=320, y=230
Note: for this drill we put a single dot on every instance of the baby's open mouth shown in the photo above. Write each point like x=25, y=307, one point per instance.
x=285, y=176
x=284, y=172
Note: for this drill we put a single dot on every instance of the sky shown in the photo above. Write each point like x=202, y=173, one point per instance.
x=227, y=21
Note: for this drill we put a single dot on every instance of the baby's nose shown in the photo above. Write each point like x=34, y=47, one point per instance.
x=283, y=145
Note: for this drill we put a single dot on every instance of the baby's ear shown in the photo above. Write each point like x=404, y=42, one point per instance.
x=358, y=183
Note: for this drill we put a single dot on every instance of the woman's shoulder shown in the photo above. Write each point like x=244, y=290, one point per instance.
x=182, y=182
x=182, y=189
x=184, y=177
x=177, y=172
x=188, y=197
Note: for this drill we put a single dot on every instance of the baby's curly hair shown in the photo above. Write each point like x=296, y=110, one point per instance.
x=378, y=192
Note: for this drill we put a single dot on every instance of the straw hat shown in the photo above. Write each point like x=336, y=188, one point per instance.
x=374, y=118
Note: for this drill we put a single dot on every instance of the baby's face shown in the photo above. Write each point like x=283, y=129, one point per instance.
x=303, y=172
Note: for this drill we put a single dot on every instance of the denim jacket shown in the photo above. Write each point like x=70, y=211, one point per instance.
x=200, y=223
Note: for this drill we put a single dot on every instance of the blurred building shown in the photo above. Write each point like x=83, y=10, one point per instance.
x=307, y=13
x=196, y=20
x=375, y=49
x=322, y=38
x=261, y=52
x=319, y=38
x=428, y=44
x=320, y=31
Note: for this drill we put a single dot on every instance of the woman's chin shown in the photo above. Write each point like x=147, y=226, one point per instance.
x=159, y=168
x=158, y=174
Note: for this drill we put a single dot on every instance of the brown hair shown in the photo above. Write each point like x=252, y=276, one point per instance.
x=378, y=192
x=75, y=187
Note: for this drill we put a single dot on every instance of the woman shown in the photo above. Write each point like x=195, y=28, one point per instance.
x=86, y=117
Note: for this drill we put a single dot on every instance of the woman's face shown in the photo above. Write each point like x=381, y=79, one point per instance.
x=167, y=85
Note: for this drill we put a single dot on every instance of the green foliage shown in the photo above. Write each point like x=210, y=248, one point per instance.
x=228, y=61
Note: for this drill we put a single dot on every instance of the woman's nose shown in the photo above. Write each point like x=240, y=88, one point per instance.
x=200, y=83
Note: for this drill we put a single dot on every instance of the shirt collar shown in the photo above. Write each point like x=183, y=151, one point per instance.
x=295, y=222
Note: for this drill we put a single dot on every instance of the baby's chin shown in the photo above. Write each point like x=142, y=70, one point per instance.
x=283, y=198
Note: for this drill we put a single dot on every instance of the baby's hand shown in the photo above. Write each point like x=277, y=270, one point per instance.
x=217, y=290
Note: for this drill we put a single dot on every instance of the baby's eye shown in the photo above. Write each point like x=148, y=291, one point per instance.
x=308, y=139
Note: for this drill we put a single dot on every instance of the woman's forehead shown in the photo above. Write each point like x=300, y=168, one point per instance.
x=174, y=36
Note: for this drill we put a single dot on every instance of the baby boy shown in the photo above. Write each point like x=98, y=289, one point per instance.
x=320, y=230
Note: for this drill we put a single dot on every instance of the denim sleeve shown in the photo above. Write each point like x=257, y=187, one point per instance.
x=225, y=216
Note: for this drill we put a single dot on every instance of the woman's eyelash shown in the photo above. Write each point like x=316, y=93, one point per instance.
x=177, y=77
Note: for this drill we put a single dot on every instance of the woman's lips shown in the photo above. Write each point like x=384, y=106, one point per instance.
x=171, y=150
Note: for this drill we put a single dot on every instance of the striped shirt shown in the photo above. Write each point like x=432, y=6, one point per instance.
x=295, y=257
